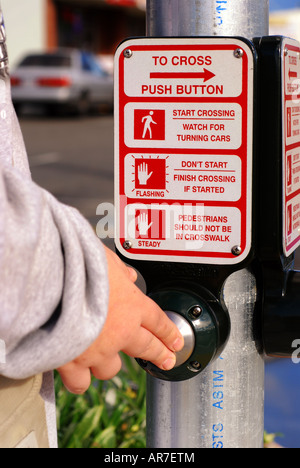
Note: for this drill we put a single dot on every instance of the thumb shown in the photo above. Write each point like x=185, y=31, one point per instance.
x=75, y=378
x=132, y=274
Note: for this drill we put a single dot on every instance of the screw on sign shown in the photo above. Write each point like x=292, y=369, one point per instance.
x=127, y=53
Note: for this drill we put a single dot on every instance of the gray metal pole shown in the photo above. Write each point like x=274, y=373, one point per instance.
x=223, y=406
x=249, y=18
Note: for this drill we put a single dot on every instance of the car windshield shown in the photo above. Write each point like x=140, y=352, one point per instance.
x=89, y=64
x=49, y=60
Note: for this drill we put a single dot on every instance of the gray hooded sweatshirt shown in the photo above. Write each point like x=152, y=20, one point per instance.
x=53, y=277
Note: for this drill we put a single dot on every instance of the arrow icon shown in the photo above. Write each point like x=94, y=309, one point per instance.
x=206, y=75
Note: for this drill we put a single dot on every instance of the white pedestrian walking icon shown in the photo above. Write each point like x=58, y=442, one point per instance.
x=148, y=122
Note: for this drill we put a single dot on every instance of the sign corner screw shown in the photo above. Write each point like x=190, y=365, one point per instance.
x=238, y=53
x=236, y=250
x=127, y=245
x=128, y=53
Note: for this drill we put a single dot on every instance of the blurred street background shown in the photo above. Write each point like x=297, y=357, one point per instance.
x=72, y=156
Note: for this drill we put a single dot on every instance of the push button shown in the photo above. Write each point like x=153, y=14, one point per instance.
x=204, y=324
x=188, y=334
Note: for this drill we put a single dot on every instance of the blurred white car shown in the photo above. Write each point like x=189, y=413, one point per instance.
x=64, y=78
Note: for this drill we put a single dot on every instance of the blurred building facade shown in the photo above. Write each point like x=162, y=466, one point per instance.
x=97, y=25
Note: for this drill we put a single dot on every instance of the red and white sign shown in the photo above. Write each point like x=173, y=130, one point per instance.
x=291, y=145
x=183, y=149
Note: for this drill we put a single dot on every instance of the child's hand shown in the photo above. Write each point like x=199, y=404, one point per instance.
x=134, y=325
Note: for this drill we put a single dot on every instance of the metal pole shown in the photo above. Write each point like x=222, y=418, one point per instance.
x=223, y=406
x=249, y=18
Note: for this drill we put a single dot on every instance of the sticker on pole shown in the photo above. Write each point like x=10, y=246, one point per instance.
x=291, y=145
x=183, y=149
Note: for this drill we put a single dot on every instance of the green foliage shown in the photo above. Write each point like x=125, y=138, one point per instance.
x=109, y=415
x=269, y=439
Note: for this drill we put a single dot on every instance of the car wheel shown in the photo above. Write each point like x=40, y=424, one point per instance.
x=83, y=104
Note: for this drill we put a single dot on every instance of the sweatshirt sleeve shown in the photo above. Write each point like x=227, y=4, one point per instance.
x=53, y=279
